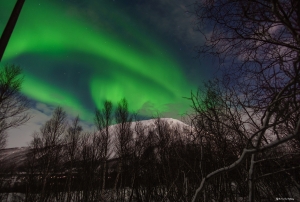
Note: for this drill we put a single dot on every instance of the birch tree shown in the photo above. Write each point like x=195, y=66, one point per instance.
x=123, y=144
x=13, y=105
x=258, y=47
x=103, y=119
x=45, y=158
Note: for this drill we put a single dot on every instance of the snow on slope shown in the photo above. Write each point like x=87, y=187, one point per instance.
x=150, y=125
x=15, y=157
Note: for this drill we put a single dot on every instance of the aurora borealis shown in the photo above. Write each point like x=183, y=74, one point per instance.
x=76, y=54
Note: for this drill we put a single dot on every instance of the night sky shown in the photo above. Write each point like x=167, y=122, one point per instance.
x=76, y=54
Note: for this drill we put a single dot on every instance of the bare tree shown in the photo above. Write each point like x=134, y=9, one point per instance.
x=45, y=160
x=13, y=105
x=71, y=143
x=13, y=109
x=136, y=160
x=103, y=119
x=89, y=171
x=258, y=45
x=123, y=144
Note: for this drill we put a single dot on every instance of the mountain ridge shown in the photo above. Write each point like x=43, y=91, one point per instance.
x=16, y=157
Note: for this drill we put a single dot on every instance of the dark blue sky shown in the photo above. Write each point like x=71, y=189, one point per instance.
x=76, y=54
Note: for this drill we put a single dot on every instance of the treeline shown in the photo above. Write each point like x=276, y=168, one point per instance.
x=132, y=161
x=129, y=161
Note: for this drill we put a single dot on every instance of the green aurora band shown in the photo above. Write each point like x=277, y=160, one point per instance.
x=52, y=95
x=144, y=72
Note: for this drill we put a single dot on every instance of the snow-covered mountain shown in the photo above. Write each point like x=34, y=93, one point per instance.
x=151, y=124
x=15, y=157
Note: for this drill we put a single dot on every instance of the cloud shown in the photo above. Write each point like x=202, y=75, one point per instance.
x=170, y=110
x=46, y=109
x=148, y=109
x=21, y=136
x=40, y=113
